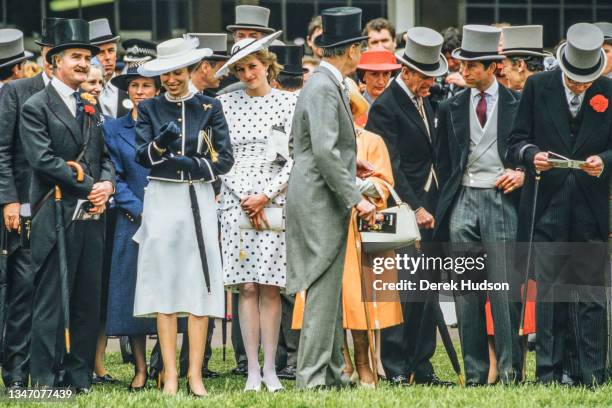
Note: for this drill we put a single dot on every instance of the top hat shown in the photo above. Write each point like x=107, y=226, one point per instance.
x=215, y=41
x=11, y=47
x=251, y=18
x=378, y=60
x=341, y=25
x=46, y=32
x=245, y=48
x=423, y=52
x=290, y=57
x=581, y=57
x=174, y=54
x=524, y=41
x=100, y=32
x=70, y=33
x=138, y=50
x=606, y=29
x=479, y=43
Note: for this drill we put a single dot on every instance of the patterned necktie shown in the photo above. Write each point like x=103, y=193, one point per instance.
x=419, y=104
x=80, y=108
x=575, y=105
x=481, y=109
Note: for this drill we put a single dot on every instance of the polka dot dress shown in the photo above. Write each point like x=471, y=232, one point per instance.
x=250, y=121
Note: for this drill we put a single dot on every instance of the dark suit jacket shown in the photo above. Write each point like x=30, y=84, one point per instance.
x=396, y=119
x=15, y=171
x=53, y=137
x=542, y=125
x=121, y=109
x=453, y=147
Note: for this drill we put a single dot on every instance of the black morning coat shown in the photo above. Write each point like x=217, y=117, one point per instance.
x=453, y=147
x=542, y=124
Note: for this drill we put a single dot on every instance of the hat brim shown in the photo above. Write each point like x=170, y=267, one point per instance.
x=441, y=70
x=526, y=53
x=42, y=43
x=161, y=66
x=59, y=48
x=321, y=43
x=383, y=67
x=218, y=57
x=25, y=56
x=578, y=77
x=122, y=81
x=233, y=27
x=104, y=40
x=253, y=47
x=458, y=54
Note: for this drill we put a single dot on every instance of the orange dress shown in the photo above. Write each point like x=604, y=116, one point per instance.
x=385, y=309
x=529, y=326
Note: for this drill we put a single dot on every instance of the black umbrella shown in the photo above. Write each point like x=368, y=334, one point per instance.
x=227, y=316
x=3, y=278
x=448, y=343
x=61, y=253
x=195, y=208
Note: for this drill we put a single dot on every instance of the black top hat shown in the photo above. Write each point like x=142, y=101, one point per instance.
x=341, y=25
x=70, y=33
x=290, y=57
x=46, y=31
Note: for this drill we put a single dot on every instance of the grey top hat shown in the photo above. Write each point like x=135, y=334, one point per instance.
x=11, y=47
x=100, y=32
x=251, y=18
x=581, y=57
x=606, y=29
x=215, y=41
x=479, y=43
x=422, y=52
x=524, y=41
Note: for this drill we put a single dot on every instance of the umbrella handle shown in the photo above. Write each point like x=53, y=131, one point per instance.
x=80, y=174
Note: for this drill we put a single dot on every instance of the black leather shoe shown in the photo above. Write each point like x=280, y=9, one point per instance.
x=287, y=373
x=399, y=380
x=208, y=373
x=101, y=380
x=433, y=379
x=240, y=370
x=15, y=386
x=84, y=390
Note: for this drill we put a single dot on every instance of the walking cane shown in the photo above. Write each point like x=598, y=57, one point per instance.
x=61, y=252
x=370, y=331
x=524, y=290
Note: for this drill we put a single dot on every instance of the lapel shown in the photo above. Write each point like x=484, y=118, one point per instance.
x=506, y=108
x=126, y=131
x=590, y=119
x=556, y=103
x=409, y=109
x=345, y=101
x=61, y=111
x=460, y=122
x=37, y=84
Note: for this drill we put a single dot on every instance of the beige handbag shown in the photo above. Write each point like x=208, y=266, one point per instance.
x=406, y=231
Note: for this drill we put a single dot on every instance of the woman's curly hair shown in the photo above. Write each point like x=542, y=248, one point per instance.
x=265, y=57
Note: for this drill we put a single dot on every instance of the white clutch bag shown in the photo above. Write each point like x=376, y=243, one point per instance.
x=404, y=232
x=275, y=216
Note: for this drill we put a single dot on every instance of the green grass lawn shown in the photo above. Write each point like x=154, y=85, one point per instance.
x=227, y=391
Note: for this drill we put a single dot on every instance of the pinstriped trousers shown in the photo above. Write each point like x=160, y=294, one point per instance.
x=486, y=217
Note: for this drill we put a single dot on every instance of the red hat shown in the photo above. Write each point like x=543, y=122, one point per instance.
x=378, y=60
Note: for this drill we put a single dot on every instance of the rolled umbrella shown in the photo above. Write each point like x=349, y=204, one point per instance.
x=447, y=342
x=227, y=316
x=197, y=220
x=3, y=279
x=61, y=253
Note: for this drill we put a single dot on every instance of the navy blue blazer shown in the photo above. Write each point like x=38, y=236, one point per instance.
x=120, y=137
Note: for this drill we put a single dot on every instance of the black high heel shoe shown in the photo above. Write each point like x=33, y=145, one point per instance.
x=141, y=388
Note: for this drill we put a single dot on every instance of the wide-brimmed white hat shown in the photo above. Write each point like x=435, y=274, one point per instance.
x=581, y=57
x=422, y=52
x=174, y=54
x=246, y=47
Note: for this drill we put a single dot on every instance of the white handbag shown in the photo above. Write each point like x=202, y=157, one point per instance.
x=275, y=216
x=406, y=228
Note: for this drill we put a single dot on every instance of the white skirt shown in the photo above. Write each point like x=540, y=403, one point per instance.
x=170, y=277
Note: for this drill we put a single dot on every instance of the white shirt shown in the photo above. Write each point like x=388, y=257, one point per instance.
x=66, y=93
x=335, y=72
x=108, y=99
x=491, y=95
x=46, y=78
x=569, y=95
x=192, y=88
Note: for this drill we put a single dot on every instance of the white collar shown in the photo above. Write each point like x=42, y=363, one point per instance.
x=184, y=98
x=492, y=90
x=403, y=85
x=335, y=71
x=45, y=78
x=193, y=88
x=63, y=89
x=568, y=92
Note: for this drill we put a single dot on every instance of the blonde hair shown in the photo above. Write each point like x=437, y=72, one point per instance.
x=266, y=58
